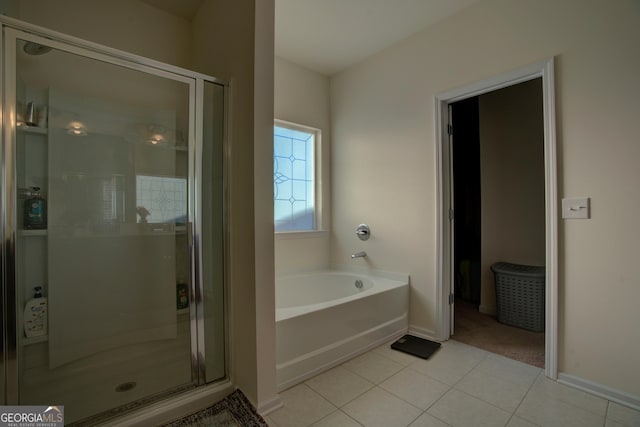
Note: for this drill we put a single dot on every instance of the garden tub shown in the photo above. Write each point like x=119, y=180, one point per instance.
x=324, y=318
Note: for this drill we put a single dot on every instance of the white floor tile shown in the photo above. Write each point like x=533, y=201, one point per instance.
x=428, y=420
x=302, y=407
x=623, y=415
x=339, y=385
x=452, y=362
x=337, y=419
x=519, y=422
x=457, y=345
x=570, y=395
x=458, y=386
x=373, y=367
x=379, y=408
x=416, y=388
x=543, y=409
x=611, y=423
x=509, y=369
x=459, y=409
x=492, y=389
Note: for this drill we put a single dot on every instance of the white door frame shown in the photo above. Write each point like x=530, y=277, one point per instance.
x=444, y=286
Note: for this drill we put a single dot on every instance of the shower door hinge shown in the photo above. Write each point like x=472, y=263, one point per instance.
x=451, y=215
x=449, y=129
x=450, y=299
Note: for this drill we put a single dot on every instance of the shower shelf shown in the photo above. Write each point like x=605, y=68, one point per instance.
x=33, y=129
x=24, y=341
x=27, y=233
x=178, y=230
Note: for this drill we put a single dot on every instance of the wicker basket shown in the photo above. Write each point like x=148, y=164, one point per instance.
x=520, y=295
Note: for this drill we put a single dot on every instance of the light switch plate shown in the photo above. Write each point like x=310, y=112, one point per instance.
x=576, y=208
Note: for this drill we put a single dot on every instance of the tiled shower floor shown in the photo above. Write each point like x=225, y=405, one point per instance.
x=459, y=386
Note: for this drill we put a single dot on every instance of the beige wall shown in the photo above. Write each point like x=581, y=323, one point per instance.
x=127, y=25
x=234, y=41
x=302, y=96
x=383, y=150
x=512, y=180
x=267, y=397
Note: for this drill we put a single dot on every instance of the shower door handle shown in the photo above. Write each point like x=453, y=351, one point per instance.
x=190, y=234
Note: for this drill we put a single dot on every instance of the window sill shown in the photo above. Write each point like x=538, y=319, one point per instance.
x=284, y=235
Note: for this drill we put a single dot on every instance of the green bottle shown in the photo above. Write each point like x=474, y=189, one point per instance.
x=35, y=211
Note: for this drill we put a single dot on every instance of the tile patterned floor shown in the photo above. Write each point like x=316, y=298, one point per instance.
x=459, y=386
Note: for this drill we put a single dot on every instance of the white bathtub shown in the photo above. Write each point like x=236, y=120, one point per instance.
x=323, y=319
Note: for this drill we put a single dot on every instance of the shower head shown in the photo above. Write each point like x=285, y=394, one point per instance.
x=33, y=48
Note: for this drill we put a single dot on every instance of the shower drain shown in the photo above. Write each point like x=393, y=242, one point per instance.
x=125, y=386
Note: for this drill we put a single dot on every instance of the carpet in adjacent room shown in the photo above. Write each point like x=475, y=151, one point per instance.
x=485, y=332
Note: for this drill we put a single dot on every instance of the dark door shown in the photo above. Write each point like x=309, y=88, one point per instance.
x=466, y=199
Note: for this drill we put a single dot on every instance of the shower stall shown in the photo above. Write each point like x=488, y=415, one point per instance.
x=113, y=205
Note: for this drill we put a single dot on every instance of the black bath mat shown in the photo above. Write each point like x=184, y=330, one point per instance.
x=416, y=346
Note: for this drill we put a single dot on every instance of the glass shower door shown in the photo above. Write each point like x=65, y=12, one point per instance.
x=102, y=254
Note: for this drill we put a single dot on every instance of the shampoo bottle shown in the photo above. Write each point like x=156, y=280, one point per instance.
x=35, y=211
x=182, y=295
x=35, y=315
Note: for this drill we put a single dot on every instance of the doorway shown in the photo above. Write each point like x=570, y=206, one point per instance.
x=498, y=201
x=446, y=270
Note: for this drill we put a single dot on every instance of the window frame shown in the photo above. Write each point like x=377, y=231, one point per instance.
x=317, y=180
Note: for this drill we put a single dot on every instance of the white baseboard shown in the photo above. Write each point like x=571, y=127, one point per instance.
x=423, y=333
x=618, y=396
x=270, y=405
x=485, y=309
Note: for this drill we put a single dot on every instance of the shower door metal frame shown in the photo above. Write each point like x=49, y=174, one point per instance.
x=12, y=30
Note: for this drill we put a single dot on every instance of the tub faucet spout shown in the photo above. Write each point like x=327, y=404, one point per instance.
x=359, y=255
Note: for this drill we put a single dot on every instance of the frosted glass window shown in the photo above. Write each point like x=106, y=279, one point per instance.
x=164, y=198
x=113, y=198
x=294, y=197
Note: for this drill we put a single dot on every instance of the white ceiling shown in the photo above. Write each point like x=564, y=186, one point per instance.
x=328, y=36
